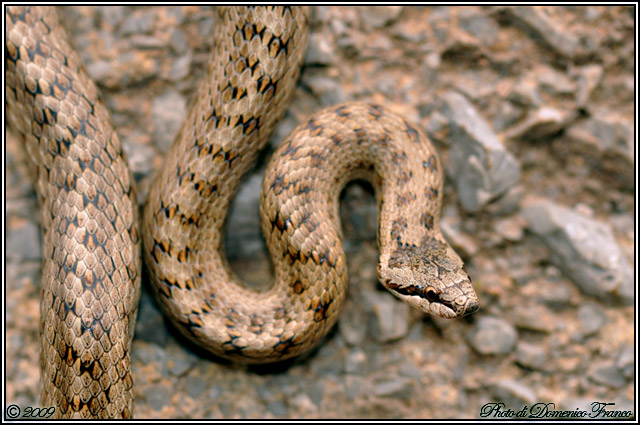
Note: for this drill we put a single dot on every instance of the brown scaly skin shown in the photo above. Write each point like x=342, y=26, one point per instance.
x=92, y=263
x=91, y=271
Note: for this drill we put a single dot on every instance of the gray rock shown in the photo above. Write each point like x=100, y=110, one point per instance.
x=142, y=41
x=513, y=393
x=328, y=90
x=181, y=67
x=624, y=224
x=168, y=110
x=555, y=82
x=541, y=123
x=175, y=13
x=19, y=189
x=526, y=92
x=150, y=326
x=326, y=364
x=440, y=30
x=316, y=392
x=139, y=22
x=195, y=386
x=244, y=221
x=409, y=369
x=227, y=409
x=461, y=366
x=391, y=317
x=607, y=141
x=510, y=228
x=531, y=355
x=353, y=386
x=23, y=242
x=592, y=318
x=278, y=409
x=138, y=156
x=159, y=396
x=319, y=51
x=180, y=361
x=132, y=69
x=626, y=361
x=320, y=15
x=382, y=359
x=356, y=363
x=378, y=16
x=178, y=41
x=558, y=295
x=478, y=162
x=214, y=392
x=148, y=353
x=113, y=15
x=478, y=25
x=607, y=374
x=543, y=30
x=492, y=335
x=347, y=42
x=414, y=34
x=302, y=402
x=534, y=317
x=508, y=114
x=584, y=249
x=508, y=203
x=206, y=24
x=353, y=326
x=361, y=209
x=395, y=387
x=100, y=70
x=438, y=128
x=588, y=79
x=463, y=243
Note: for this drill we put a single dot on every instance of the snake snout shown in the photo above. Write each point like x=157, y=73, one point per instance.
x=469, y=308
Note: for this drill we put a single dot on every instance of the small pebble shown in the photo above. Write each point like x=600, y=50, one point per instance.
x=607, y=374
x=390, y=316
x=592, y=318
x=492, y=335
x=514, y=394
x=533, y=356
x=400, y=388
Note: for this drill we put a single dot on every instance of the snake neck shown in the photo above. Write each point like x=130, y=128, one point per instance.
x=300, y=206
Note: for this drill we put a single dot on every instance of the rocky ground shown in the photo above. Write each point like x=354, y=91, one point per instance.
x=532, y=109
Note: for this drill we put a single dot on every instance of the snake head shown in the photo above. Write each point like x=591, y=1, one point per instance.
x=429, y=277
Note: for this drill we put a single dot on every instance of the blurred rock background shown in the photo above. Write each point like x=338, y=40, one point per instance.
x=532, y=110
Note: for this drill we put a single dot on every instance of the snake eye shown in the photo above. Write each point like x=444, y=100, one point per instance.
x=432, y=295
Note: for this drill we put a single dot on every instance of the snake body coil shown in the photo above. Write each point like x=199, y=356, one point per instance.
x=256, y=61
x=89, y=217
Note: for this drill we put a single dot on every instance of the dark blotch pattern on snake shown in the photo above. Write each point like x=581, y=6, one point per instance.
x=92, y=259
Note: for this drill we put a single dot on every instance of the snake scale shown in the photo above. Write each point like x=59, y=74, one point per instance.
x=92, y=233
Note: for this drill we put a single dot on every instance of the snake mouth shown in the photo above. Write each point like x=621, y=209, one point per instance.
x=431, y=302
x=424, y=299
x=462, y=306
x=449, y=310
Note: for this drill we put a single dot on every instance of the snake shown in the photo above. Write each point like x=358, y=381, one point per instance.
x=95, y=240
